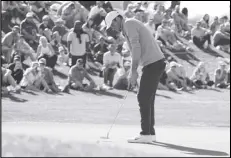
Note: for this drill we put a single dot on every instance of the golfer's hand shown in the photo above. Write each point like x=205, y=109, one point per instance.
x=132, y=79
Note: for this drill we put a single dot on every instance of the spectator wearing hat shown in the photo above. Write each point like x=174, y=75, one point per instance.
x=221, y=76
x=16, y=69
x=200, y=35
x=8, y=41
x=76, y=75
x=200, y=77
x=111, y=60
x=46, y=51
x=48, y=76
x=44, y=28
x=23, y=49
x=8, y=80
x=29, y=30
x=78, y=43
x=32, y=79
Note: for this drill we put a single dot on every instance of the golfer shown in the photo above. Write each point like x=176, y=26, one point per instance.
x=146, y=52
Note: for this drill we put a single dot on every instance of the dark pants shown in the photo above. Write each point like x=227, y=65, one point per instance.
x=51, y=61
x=199, y=42
x=146, y=95
x=109, y=76
x=18, y=75
x=75, y=58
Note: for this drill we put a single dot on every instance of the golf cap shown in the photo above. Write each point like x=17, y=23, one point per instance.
x=42, y=61
x=110, y=17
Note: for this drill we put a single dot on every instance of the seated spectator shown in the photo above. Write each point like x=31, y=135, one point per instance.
x=221, y=76
x=215, y=25
x=111, y=60
x=107, y=6
x=200, y=77
x=23, y=49
x=29, y=30
x=61, y=29
x=8, y=80
x=46, y=51
x=8, y=41
x=175, y=76
x=222, y=35
x=128, y=12
x=205, y=21
x=200, y=36
x=158, y=16
x=44, y=28
x=76, y=75
x=63, y=56
x=97, y=9
x=184, y=20
x=48, y=76
x=122, y=81
x=16, y=69
x=88, y=28
x=78, y=43
x=32, y=79
x=56, y=41
x=151, y=26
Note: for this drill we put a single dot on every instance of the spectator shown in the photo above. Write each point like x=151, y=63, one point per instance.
x=32, y=79
x=46, y=51
x=29, y=30
x=175, y=77
x=158, y=16
x=205, y=21
x=63, y=57
x=200, y=77
x=128, y=12
x=61, y=29
x=174, y=4
x=8, y=80
x=111, y=60
x=97, y=9
x=139, y=15
x=122, y=81
x=48, y=76
x=167, y=14
x=222, y=35
x=78, y=43
x=23, y=49
x=16, y=69
x=38, y=7
x=8, y=41
x=177, y=19
x=184, y=19
x=200, y=36
x=88, y=28
x=221, y=76
x=44, y=28
x=56, y=41
x=76, y=75
x=151, y=26
x=99, y=50
x=215, y=25
x=107, y=6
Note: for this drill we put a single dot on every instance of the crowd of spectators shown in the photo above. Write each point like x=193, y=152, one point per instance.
x=73, y=34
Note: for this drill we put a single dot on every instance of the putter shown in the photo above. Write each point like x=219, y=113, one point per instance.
x=107, y=137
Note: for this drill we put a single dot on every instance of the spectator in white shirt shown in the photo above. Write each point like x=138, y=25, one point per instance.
x=78, y=43
x=111, y=60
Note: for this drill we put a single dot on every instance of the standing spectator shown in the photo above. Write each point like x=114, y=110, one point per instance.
x=8, y=41
x=46, y=51
x=76, y=75
x=111, y=60
x=48, y=76
x=29, y=30
x=200, y=35
x=16, y=69
x=221, y=76
x=78, y=43
x=205, y=21
x=128, y=12
x=158, y=16
x=215, y=25
x=200, y=77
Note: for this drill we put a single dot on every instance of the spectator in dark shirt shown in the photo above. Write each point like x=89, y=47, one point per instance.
x=107, y=6
x=45, y=28
x=29, y=30
x=61, y=29
x=16, y=69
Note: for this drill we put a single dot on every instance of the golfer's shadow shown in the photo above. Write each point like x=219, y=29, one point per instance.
x=190, y=150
